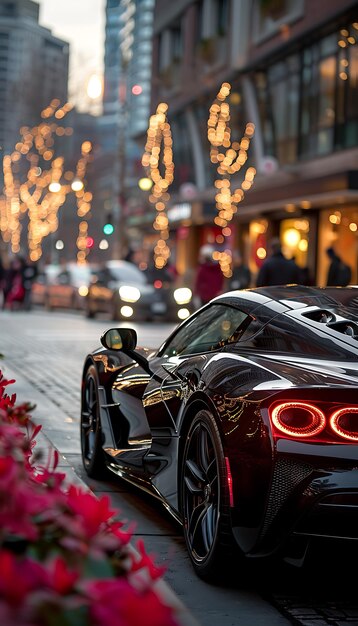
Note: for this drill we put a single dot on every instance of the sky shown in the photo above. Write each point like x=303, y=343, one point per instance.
x=81, y=23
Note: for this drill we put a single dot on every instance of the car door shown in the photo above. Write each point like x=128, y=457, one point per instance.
x=136, y=408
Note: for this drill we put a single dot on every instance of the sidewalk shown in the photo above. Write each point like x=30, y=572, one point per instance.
x=44, y=414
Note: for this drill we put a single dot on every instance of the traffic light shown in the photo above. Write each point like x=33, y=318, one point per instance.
x=108, y=228
x=89, y=242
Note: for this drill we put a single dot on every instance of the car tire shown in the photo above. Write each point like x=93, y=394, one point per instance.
x=205, y=500
x=93, y=458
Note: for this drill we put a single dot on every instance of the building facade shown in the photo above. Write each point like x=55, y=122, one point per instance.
x=33, y=69
x=293, y=67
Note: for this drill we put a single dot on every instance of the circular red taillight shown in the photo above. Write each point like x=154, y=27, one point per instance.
x=298, y=419
x=158, y=284
x=344, y=423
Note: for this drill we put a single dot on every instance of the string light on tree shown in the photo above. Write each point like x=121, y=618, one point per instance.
x=159, y=133
x=32, y=181
x=228, y=162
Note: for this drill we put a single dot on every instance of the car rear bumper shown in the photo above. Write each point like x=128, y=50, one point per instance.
x=309, y=499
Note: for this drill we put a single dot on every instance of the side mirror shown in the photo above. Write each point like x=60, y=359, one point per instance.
x=125, y=339
x=120, y=339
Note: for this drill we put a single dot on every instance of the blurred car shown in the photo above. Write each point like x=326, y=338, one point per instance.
x=68, y=288
x=39, y=286
x=243, y=423
x=124, y=291
x=178, y=300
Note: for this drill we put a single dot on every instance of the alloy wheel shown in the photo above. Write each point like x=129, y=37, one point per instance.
x=91, y=445
x=201, y=492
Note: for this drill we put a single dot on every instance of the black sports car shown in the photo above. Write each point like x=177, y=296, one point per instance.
x=244, y=423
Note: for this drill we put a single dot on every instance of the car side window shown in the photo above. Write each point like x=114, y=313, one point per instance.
x=210, y=330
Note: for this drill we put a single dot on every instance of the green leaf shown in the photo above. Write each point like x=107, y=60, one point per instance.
x=98, y=568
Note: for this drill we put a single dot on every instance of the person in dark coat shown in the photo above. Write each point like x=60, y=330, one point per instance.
x=277, y=269
x=339, y=274
x=29, y=274
x=241, y=275
x=209, y=280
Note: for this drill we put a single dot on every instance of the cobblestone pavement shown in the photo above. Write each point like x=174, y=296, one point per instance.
x=50, y=357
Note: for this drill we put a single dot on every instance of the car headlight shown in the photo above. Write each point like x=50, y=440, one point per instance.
x=83, y=290
x=182, y=295
x=129, y=294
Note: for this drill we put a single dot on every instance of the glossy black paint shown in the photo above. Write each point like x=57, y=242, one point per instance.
x=291, y=343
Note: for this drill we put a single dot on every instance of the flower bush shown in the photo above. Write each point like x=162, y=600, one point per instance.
x=64, y=558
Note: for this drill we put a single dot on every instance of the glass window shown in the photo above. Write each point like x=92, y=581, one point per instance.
x=222, y=17
x=182, y=147
x=329, y=45
x=352, y=96
x=126, y=273
x=283, y=79
x=327, y=79
x=210, y=330
x=176, y=42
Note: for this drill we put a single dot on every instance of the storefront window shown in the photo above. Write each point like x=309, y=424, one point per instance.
x=294, y=235
x=308, y=102
x=257, y=244
x=338, y=229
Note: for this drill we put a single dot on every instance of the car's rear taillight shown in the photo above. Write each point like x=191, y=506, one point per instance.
x=298, y=419
x=328, y=422
x=344, y=423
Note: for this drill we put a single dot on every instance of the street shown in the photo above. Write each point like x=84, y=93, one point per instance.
x=44, y=352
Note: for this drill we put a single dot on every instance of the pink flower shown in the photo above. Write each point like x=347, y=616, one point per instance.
x=146, y=561
x=60, y=577
x=94, y=512
x=18, y=578
x=116, y=601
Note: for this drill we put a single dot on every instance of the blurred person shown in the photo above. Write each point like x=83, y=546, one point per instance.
x=339, y=274
x=306, y=278
x=241, y=275
x=305, y=275
x=209, y=279
x=277, y=269
x=14, y=285
x=29, y=274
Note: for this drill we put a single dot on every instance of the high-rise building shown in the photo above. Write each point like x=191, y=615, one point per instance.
x=126, y=109
x=33, y=69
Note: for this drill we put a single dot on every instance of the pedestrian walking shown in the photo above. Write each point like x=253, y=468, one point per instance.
x=277, y=269
x=14, y=285
x=29, y=274
x=209, y=279
x=241, y=275
x=339, y=274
